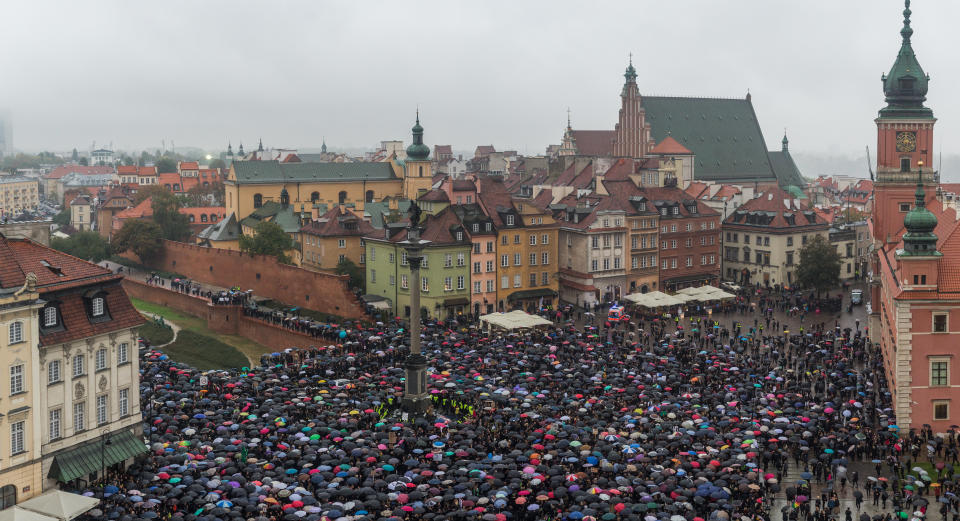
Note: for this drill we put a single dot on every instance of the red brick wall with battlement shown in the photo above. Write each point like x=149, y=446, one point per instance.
x=324, y=292
x=228, y=320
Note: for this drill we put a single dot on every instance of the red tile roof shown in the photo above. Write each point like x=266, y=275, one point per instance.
x=186, y=183
x=169, y=178
x=145, y=210
x=621, y=169
x=339, y=222
x=77, y=324
x=64, y=170
x=127, y=169
x=188, y=165
x=594, y=142
x=147, y=171
x=670, y=146
x=775, y=208
x=698, y=190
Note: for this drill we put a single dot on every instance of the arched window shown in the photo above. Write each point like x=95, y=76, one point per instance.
x=8, y=496
x=314, y=197
x=342, y=197
x=192, y=218
x=369, y=196
x=213, y=217
x=203, y=217
x=421, y=171
x=257, y=200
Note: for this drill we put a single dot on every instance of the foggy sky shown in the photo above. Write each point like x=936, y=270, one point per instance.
x=482, y=72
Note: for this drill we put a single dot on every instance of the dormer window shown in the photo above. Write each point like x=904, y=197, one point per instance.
x=663, y=211
x=476, y=227
x=693, y=209
x=50, y=318
x=676, y=210
x=459, y=236
x=509, y=220
x=97, y=306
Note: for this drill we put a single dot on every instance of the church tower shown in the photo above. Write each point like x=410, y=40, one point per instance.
x=568, y=146
x=919, y=259
x=904, y=141
x=632, y=133
x=418, y=169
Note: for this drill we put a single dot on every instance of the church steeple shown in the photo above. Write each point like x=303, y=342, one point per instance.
x=323, y=148
x=785, y=143
x=260, y=148
x=229, y=149
x=631, y=74
x=418, y=151
x=240, y=151
x=905, y=86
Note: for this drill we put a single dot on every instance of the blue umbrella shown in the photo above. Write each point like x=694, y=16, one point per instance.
x=223, y=503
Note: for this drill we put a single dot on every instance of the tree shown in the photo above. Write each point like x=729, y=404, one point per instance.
x=84, y=161
x=166, y=165
x=174, y=225
x=268, y=239
x=349, y=268
x=217, y=163
x=140, y=236
x=62, y=218
x=819, y=266
x=84, y=245
x=75, y=156
x=148, y=191
x=210, y=195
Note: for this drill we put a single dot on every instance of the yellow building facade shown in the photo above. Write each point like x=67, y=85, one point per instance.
x=18, y=193
x=527, y=258
x=21, y=474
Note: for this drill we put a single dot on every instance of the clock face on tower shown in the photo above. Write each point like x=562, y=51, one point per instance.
x=906, y=141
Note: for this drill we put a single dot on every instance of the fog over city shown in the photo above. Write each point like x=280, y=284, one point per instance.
x=137, y=74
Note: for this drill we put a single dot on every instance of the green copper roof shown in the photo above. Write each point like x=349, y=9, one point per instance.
x=418, y=151
x=920, y=223
x=285, y=216
x=905, y=87
x=252, y=172
x=723, y=134
x=785, y=169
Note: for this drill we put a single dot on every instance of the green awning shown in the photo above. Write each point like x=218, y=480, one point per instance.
x=85, y=459
x=531, y=293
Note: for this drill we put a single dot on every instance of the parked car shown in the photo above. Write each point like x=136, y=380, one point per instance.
x=856, y=297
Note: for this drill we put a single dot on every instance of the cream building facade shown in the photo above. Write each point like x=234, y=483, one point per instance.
x=18, y=193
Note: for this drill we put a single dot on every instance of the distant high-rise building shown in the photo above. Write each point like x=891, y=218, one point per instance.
x=6, y=134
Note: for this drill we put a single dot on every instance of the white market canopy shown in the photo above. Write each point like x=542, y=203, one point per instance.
x=516, y=319
x=654, y=299
x=58, y=504
x=21, y=514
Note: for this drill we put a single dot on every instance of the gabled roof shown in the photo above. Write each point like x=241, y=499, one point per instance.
x=723, y=134
x=338, y=222
x=439, y=229
x=436, y=195
x=276, y=172
x=594, y=142
x=670, y=146
x=54, y=269
x=621, y=169
x=698, y=190
x=188, y=165
x=226, y=230
x=170, y=178
x=785, y=169
x=285, y=216
x=776, y=209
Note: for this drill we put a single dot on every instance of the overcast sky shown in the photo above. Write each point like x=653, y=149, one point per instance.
x=500, y=72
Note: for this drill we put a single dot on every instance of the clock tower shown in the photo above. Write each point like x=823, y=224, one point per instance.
x=904, y=141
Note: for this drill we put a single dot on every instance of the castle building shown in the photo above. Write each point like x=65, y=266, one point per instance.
x=915, y=286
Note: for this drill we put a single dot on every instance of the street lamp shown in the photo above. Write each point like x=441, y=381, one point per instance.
x=104, y=442
x=415, y=367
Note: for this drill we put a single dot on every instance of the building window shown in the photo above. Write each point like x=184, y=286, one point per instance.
x=16, y=332
x=509, y=220
x=123, y=402
x=689, y=242
x=616, y=263
x=100, y=360
x=516, y=259
x=342, y=197
x=489, y=266
x=96, y=306
x=101, y=409
x=789, y=241
x=545, y=239
x=504, y=261
x=403, y=282
x=424, y=285
x=533, y=239
x=461, y=260
x=78, y=365
x=545, y=258
x=122, y=353
x=448, y=260
x=904, y=164
x=533, y=279
x=16, y=438
x=504, y=282
x=689, y=261
x=489, y=246
x=16, y=379
x=476, y=286
x=79, y=416
x=50, y=316
x=503, y=240
x=516, y=280
x=940, y=323
x=939, y=372
x=533, y=259
x=904, y=207
x=941, y=410
x=54, y=424
x=476, y=267
x=459, y=236
x=594, y=242
x=53, y=372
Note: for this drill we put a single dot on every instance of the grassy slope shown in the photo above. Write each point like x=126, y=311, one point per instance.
x=250, y=349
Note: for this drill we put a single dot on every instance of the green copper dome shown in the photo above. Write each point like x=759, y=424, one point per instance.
x=920, y=223
x=905, y=86
x=418, y=151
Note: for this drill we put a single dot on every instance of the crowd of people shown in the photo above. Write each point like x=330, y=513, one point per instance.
x=659, y=418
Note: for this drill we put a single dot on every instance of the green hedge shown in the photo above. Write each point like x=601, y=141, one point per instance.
x=155, y=333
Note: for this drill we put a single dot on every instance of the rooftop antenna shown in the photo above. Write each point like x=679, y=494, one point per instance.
x=869, y=167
